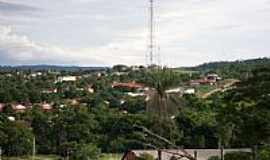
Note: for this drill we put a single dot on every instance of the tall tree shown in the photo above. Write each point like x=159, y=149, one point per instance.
x=160, y=80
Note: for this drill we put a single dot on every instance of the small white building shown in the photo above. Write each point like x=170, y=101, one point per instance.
x=67, y=79
x=190, y=91
x=12, y=119
x=90, y=90
x=46, y=107
x=175, y=90
x=213, y=77
x=49, y=91
x=19, y=108
x=36, y=74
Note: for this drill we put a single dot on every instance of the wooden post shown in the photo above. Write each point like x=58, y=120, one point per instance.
x=221, y=153
x=254, y=152
x=0, y=153
x=159, y=154
x=195, y=155
x=34, y=148
x=67, y=154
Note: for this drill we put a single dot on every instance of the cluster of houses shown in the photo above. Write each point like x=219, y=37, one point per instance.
x=19, y=108
x=142, y=90
x=135, y=89
x=210, y=79
x=130, y=84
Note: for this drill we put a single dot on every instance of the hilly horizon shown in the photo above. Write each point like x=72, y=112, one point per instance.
x=259, y=59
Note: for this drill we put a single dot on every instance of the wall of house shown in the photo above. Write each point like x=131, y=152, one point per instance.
x=129, y=156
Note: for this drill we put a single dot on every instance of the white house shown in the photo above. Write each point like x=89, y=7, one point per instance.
x=213, y=76
x=46, y=107
x=67, y=79
x=175, y=90
x=19, y=108
x=11, y=118
x=36, y=74
x=131, y=94
x=190, y=91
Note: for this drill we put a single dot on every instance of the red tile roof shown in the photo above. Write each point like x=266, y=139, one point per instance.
x=1, y=107
x=131, y=84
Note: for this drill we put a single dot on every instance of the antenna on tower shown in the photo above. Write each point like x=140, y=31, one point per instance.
x=151, y=32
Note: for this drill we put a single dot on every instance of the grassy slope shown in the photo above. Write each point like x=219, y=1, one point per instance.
x=111, y=157
x=204, y=91
x=39, y=157
x=53, y=157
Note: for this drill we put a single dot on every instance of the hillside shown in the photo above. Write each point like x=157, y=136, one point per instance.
x=50, y=67
x=232, y=69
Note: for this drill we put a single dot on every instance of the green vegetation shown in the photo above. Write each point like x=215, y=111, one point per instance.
x=54, y=157
x=110, y=157
x=204, y=89
x=38, y=157
x=234, y=69
x=264, y=153
x=238, y=156
x=161, y=80
x=89, y=118
x=145, y=156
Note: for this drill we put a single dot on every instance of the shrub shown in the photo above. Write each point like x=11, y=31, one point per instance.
x=145, y=156
x=214, y=158
x=264, y=153
x=86, y=152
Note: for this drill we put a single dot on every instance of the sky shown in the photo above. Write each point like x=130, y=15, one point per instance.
x=109, y=32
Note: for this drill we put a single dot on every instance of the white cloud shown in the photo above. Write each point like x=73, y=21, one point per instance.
x=21, y=50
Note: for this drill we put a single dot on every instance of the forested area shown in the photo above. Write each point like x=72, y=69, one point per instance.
x=108, y=121
x=235, y=69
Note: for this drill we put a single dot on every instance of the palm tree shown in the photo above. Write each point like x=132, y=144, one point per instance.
x=160, y=80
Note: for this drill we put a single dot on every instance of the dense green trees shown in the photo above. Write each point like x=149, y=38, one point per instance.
x=87, y=152
x=246, y=109
x=110, y=121
x=16, y=138
x=236, y=69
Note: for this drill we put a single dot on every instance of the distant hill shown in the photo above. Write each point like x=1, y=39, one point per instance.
x=55, y=68
x=231, y=69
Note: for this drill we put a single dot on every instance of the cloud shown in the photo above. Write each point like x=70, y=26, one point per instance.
x=17, y=13
x=17, y=50
x=16, y=7
x=21, y=50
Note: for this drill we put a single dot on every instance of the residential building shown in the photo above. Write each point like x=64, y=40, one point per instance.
x=2, y=107
x=131, y=85
x=67, y=79
x=190, y=91
x=19, y=107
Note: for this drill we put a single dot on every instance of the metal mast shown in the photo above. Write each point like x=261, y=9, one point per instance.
x=151, y=34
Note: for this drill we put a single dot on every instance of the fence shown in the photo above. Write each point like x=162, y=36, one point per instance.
x=187, y=154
